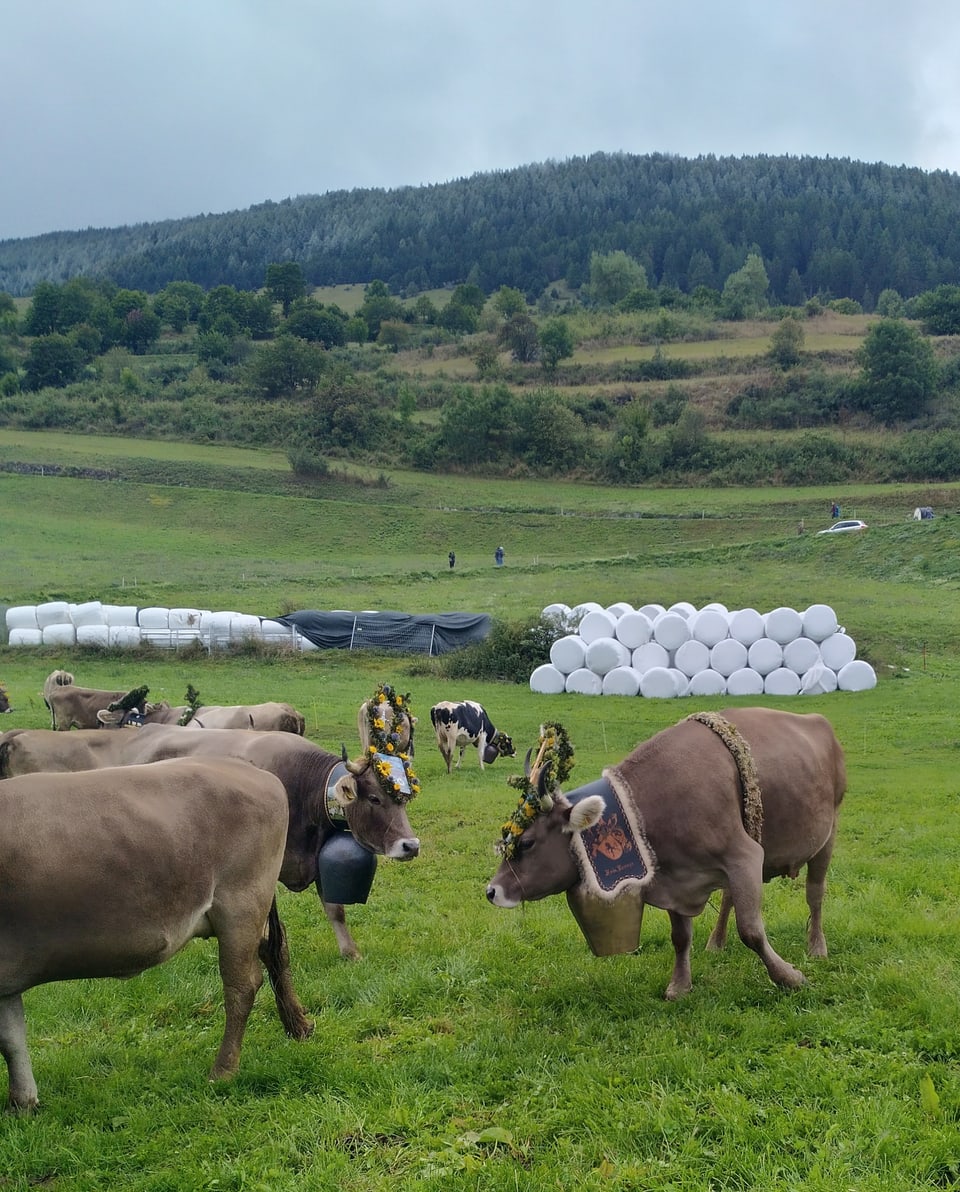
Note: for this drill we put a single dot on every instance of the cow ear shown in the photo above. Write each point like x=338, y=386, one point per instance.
x=345, y=790
x=585, y=814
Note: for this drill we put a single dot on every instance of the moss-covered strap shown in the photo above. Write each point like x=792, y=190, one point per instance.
x=731, y=736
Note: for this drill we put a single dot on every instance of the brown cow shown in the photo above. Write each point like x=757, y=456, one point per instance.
x=81, y=707
x=324, y=793
x=267, y=717
x=108, y=874
x=685, y=787
x=403, y=740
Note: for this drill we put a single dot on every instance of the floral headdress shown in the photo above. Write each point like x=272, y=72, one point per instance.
x=553, y=762
x=385, y=739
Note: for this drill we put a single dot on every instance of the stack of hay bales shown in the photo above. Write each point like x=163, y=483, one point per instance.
x=663, y=653
x=60, y=623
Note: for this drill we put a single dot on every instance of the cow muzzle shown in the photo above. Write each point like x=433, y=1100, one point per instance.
x=404, y=850
x=496, y=896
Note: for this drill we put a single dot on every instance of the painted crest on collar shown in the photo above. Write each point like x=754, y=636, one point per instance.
x=614, y=854
x=334, y=810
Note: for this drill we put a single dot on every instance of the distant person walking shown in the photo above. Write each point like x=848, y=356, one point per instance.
x=498, y=555
x=834, y=510
x=453, y=558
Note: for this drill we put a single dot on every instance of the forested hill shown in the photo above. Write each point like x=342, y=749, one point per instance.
x=828, y=226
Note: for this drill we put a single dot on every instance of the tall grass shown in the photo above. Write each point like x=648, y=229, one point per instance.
x=474, y=1048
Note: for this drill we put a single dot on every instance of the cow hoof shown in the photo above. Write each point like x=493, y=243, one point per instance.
x=791, y=978
x=675, y=992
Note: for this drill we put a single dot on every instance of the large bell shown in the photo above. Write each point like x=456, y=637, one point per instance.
x=345, y=869
x=608, y=927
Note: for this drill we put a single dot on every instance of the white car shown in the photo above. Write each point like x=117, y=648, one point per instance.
x=843, y=527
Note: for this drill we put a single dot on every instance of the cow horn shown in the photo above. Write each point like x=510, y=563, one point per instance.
x=343, y=752
x=526, y=762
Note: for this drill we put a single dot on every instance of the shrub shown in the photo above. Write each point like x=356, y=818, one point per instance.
x=510, y=654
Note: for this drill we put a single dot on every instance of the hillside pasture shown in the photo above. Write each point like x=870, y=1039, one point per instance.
x=474, y=1048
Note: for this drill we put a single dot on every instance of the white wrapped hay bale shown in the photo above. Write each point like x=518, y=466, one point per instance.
x=728, y=656
x=681, y=681
x=304, y=644
x=716, y=607
x=622, y=680
x=691, y=657
x=659, y=682
x=745, y=681
x=275, y=631
x=22, y=616
x=683, y=608
x=707, y=682
x=819, y=622
x=556, y=612
x=781, y=681
x=579, y=611
x=710, y=626
x=596, y=624
x=185, y=618
x=634, y=629
x=24, y=636
x=765, y=655
x=583, y=682
x=783, y=625
x=125, y=636
x=619, y=608
x=605, y=654
x=818, y=680
x=88, y=613
x=746, y=625
x=801, y=654
x=569, y=653
x=857, y=675
x=244, y=626
x=837, y=650
x=547, y=680
x=215, y=628
x=93, y=635
x=648, y=656
x=671, y=630
x=53, y=612
x=63, y=634
x=153, y=618
x=652, y=611
x=120, y=614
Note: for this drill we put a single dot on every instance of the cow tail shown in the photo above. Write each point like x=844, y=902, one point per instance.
x=275, y=957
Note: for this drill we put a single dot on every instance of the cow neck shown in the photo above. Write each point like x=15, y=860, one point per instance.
x=335, y=813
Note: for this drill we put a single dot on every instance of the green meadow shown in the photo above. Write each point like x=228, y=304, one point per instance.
x=474, y=1048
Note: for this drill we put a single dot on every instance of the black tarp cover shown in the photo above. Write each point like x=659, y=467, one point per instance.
x=429, y=633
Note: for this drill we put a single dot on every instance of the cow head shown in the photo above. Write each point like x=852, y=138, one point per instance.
x=4, y=700
x=376, y=812
x=540, y=861
x=500, y=746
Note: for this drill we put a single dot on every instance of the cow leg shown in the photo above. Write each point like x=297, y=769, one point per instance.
x=681, y=936
x=338, y=921
x=718, y=937
x=242, y=976
x=481, y=747
x=275, y=957
x=746, y=892
x=13, y=1048
x=816, y=884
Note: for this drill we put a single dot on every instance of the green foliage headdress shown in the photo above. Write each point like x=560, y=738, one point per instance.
x=385, y=744
x=552, y=766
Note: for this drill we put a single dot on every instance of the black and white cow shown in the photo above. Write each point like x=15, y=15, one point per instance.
x=458, y=725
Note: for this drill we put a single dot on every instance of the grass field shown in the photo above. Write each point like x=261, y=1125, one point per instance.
x=481, y=1049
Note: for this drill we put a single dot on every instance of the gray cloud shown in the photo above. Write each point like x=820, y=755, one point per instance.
x=124, y=113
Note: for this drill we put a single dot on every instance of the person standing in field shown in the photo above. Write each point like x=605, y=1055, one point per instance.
x=453, y=558
x=498, y=555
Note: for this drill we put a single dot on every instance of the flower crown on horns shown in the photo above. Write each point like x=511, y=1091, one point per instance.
x=552, y=766
x=385, y=743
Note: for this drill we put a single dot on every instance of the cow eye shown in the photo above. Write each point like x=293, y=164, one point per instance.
x=374, y=799
x=524, y=844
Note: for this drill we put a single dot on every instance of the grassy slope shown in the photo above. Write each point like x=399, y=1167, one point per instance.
x=474, y=1048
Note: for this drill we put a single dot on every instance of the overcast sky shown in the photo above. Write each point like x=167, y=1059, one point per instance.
x=123, y=111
